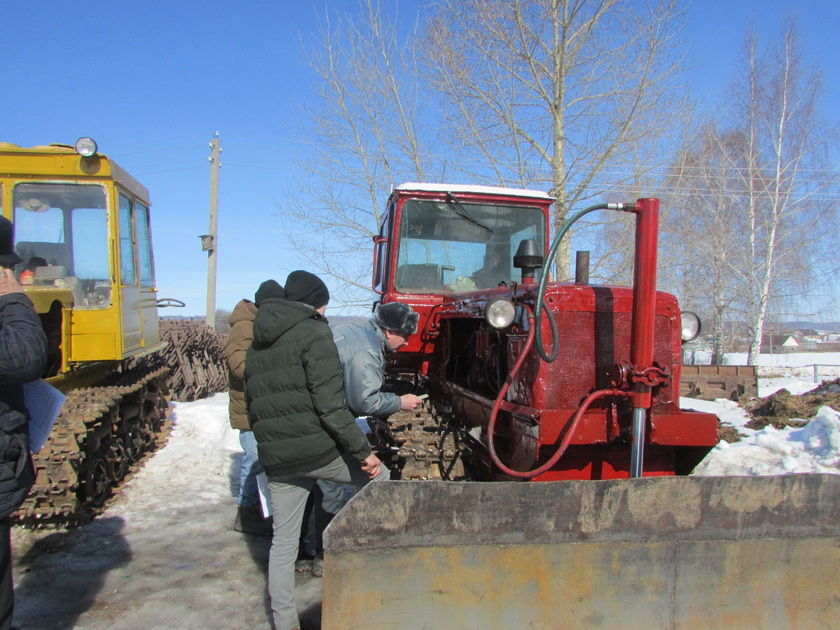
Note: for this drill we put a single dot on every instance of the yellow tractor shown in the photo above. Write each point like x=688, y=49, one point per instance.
x=82, y=230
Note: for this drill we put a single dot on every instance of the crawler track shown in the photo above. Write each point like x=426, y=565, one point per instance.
x=418, y=446
x=100, y=437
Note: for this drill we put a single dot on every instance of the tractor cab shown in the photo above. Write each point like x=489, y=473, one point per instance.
x=444, y=239
x=440, y=241
x=83, y=234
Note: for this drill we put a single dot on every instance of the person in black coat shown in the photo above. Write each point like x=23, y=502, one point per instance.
x=23, y=357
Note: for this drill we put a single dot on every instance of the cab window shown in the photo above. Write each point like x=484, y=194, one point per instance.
x=127, y=267
x=61, y=235
x=144, y=245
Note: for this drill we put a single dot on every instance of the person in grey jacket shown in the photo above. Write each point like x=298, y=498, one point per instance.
x=362, y=348
x=361, y=351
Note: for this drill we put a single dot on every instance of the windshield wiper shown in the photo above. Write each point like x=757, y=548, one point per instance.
x=462, y=211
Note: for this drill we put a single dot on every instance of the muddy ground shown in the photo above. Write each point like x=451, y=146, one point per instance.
x=783, y=409
x=185, y=570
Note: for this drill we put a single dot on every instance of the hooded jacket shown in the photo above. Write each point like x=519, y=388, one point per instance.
x=23, y=357
x=361, y=348
x=295, y=392
x=238, y=342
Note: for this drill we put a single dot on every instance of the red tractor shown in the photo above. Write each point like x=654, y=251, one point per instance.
x=529, y=378
x=576, y=385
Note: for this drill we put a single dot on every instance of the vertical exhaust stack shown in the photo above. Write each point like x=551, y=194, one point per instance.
x=582, y=267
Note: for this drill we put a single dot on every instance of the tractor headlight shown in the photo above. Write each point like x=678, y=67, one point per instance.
x=690, y=326
x=86, y=147
x=500, y=313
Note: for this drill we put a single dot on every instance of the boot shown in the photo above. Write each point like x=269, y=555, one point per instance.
x=249, y=520
x=318, y=565
x=304, y=563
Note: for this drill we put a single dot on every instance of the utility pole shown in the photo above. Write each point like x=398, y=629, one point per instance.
x=209, y=241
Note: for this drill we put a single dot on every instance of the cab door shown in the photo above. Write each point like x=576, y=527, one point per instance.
x=149, y=322
x=130, y=298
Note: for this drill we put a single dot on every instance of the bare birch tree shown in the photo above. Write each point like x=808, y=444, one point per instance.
x=556, y=94
x=785, y=146
x=699, y=240
x=363, y=139
x=754, y=227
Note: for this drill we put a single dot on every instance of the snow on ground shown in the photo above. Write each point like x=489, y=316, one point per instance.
x=202, y=445
x=812, y=448
x=727, y=411
x=199, y=454
x=795, y=386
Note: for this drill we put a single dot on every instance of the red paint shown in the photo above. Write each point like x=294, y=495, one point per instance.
x=644, y=294
x=611, y=338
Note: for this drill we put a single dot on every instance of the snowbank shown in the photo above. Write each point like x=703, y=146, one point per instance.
x=814, y=448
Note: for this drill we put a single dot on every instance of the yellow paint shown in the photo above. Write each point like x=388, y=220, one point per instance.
x=44, y=297
x=673, y=584
x=87, y=335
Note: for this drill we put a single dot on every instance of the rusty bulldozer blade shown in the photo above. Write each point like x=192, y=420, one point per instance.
x=679, y=552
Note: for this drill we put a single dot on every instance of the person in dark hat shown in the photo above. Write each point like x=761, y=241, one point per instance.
x=23, y=358
x=298, y=413
x=362, y=349
x=249, y=517
x=307, y=288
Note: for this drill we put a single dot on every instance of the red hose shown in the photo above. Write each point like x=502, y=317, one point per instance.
x=494, y=413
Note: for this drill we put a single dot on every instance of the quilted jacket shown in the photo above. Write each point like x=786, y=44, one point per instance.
x=295, y=391
x=23, y=357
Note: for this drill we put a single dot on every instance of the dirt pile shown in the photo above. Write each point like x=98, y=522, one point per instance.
x=783, y=409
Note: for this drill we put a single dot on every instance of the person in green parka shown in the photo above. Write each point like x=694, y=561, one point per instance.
x=300, y=418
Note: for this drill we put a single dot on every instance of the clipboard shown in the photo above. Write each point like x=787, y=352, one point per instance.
x=43, y=402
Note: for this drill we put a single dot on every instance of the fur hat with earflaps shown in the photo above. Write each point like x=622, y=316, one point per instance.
x=8, y=256
x=396, y=317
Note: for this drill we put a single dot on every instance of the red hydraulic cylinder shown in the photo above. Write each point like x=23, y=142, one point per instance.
x=644, y=311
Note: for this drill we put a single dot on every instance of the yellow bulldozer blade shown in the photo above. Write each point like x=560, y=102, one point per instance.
x=676, y=552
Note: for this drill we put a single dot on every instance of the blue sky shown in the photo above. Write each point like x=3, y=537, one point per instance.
x=152, y=82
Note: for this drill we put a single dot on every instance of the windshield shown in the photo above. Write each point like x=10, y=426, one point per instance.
x=61, y=235
x=459, y=246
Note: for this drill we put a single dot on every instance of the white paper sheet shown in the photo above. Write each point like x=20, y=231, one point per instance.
x=265, y=501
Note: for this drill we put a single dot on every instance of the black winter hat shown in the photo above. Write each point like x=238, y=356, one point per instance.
x=302, y=286
x=269, y=289
x=396, y=317
x=8, y=257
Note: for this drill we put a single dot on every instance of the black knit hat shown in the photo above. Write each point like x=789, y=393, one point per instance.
x=302, y=286
x=8, y=257
x=396, y=317
x=269, y=289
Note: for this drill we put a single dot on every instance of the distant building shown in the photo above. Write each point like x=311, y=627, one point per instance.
x=790, y=343
x=779, y=343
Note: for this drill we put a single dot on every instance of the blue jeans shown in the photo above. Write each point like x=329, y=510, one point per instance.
x=248, y=493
